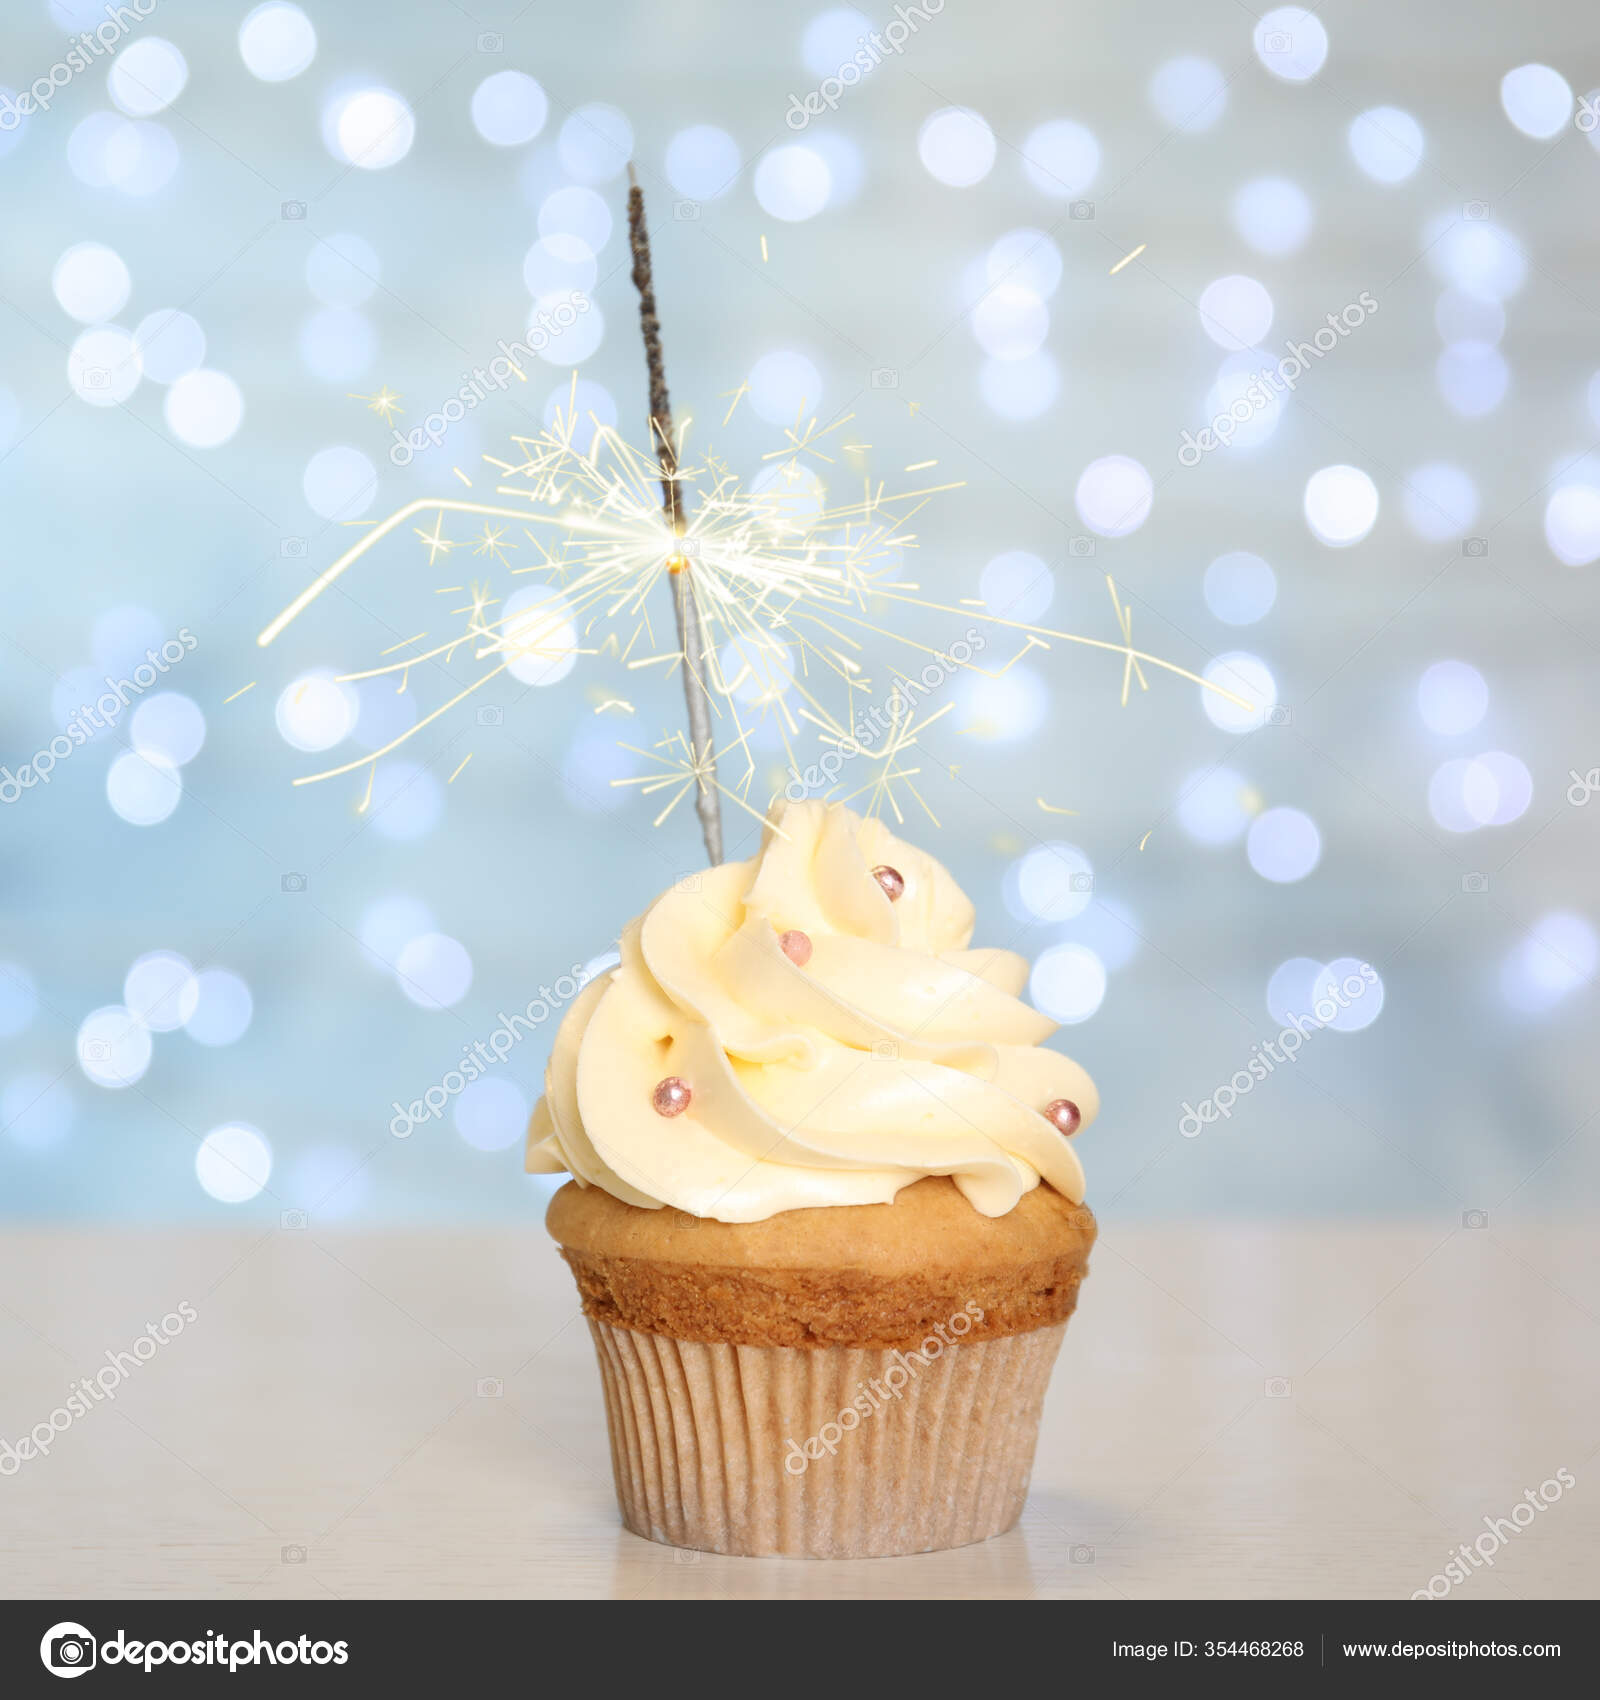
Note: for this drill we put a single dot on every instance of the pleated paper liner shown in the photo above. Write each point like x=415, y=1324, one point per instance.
x=743, y=1449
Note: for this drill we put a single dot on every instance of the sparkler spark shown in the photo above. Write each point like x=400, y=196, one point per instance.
x=799, y=602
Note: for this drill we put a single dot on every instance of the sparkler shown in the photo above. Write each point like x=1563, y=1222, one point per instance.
x=782, y=602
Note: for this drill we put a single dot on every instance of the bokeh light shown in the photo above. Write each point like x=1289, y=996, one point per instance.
x=1114, y=495
x=1283, y=845
x=1341, y=505
x=1019, y=389
x=1440, y=501
x=36, y=1110
x=1291, y=42
x=1355, y=988
x=160, y=991
x=956, y=146
x=793, y=183
x=1537, y=100
x=538, y=636
x=576, y=211
x=1236, y=312
x=1027, y=258
x=339, y=482
x=223, y=1008
x=783, y=385
x=1068, y=983
x=19, y=999
x=316, y=711
x=434, y=971
x=91, y=282
x=1386, y=143
x=406, y=801
x=1572, y=524
x=277, y=41
x=146, y=76
x=1452, y=697
x=833, y=38
x=595, y=144
x=1240, y=588
x=1273, y=215
x=389, y=924
x=1010, y=322
x=372, y=128
x=702, y=162
x=141, y=789
x=1246, y=676
x=169, y=344
x=114, y=1049
x=1215, y=806
x=1051, y=882
x=1496, y=788
x=204, y=408
x=169, y=727
x=1556, y=958
x=1017, y=586
x=1190, y=93
x=1060, y=158
x=103, y=366
x=233, y=1163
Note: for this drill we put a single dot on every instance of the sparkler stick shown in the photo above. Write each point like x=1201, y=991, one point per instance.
x=691, y=640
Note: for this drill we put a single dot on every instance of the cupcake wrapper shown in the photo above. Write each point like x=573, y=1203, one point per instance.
x=709, y=1442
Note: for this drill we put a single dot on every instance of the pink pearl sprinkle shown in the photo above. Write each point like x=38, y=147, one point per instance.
x=892, y=881
x=671, y=1096
x=1064, y=1115
x=797, y=947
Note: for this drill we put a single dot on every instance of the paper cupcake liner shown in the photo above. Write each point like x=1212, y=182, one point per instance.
x=709, y=1443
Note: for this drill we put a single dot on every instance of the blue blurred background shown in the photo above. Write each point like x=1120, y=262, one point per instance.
x=231, y=228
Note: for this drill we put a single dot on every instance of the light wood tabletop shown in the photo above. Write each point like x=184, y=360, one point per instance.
x=1296, y=1411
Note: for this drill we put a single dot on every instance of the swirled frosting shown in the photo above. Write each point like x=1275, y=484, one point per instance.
x=894, y=1053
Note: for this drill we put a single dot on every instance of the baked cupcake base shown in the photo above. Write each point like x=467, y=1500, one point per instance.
x=833, y=1383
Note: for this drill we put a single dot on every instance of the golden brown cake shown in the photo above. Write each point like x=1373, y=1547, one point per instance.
x=873, y=1275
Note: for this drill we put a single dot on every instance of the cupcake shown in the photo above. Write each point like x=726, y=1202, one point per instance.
x=826, y=1219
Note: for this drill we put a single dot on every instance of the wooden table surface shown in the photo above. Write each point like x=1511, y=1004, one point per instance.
x=1239, y=1411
